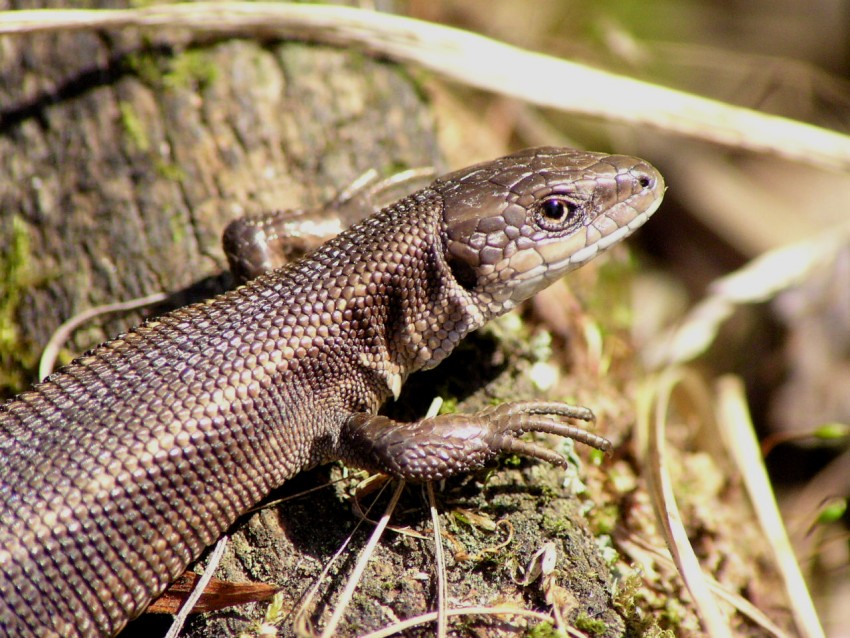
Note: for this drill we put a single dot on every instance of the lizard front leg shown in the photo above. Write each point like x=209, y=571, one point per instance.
x=260, y=243
x=437, y=447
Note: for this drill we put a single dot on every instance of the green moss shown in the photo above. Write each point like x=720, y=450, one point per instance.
x=597, y=457
x=673, y=614
x=133, y=127
x=627, y=592
x=449, y=405
x=169, y=171
x=178, y=228
x=591, y=626
x=511, y=460
x=16, y=358
x=545, y=630
x=147, y=67
x=276, y=613
x=624, y=599
x=557, y=525
x=603, y=518
x=190, y=69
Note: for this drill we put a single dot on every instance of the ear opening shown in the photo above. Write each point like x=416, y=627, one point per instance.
x=463, y=273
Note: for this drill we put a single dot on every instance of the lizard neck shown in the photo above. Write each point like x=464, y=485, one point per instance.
x=409, y=310
x=430, y=312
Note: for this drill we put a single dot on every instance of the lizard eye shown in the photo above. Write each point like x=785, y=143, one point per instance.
x=557, y=213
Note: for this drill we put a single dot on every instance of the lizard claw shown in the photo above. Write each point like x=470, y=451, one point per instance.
x=510, y=420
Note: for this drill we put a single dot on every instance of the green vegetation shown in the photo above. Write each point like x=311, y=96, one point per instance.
x=16, y=358
x=133, y=127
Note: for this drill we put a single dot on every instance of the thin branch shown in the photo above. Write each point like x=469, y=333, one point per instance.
x=476, y=61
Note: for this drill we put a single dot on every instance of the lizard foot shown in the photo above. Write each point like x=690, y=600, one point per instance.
x=437, y=447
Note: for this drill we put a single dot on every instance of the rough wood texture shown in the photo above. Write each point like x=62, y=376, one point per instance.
x=123, y=159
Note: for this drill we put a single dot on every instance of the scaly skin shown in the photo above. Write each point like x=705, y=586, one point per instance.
x=118, y=470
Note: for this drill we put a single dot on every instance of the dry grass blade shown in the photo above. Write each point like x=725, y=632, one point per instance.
x=475, y=61
x=758, y=281
x=362, y=561
x=739, y=437
x=404, y=625
x=63, y=332
x=664, y=501
x=442, y=592
x=209, y=570
x=634, y=546
x=442, y=618
x=300, y=622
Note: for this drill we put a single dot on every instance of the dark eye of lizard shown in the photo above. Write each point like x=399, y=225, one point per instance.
x=557, y=213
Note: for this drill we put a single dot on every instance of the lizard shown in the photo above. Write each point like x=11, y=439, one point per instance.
x=117, y=470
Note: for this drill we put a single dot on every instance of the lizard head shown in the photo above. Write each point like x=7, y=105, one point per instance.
x=514, y=225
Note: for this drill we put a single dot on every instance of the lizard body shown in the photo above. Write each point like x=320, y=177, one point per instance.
x=119, y=469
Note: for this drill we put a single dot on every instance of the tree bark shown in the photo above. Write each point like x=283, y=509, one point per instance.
x=124, y=156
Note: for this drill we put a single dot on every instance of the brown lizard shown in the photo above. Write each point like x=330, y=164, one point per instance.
x=119, y=469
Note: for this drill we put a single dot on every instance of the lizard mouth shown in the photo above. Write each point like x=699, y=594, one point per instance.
x=603, y=233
